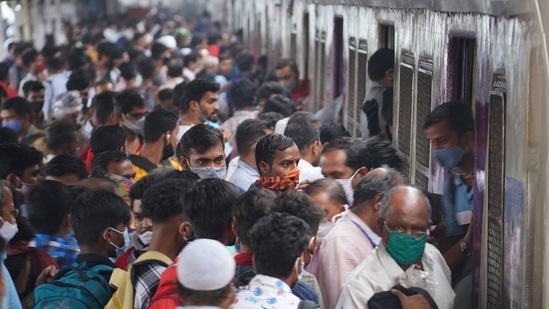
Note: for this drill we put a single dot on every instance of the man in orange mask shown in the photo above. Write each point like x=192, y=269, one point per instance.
x=277, y=157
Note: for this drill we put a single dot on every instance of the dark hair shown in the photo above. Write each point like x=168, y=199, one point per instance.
x=200, y=138
x=209, y=207
x=107, y=138
x=244, y=61
x=32, y=86
x=178, y=91
x=381, y=152
x=300, y=205
x=202, y=297
x=281, y=105
x=458, y=114
x=146, y=67
x=242, y=94
x=268, y=89
x=303, y=133
x=248, y=133
x=165, y=200
x=190, y=58
x=270, y=119
x=20, y=106
x=127, y=100
x=15, y=158
x=103, y=104
x=373, y=184
x=49, y=203
x=60, y=133
x=278, y=240
x=157, y=123
x=4, y=71
x=194, y=91
x=303, y=116
x=29, y=56
x=128, y=70
x=165, y=94
x=65, y=164
x=8, y=136
x=381, y=61
x=139, y=188
x=250, y=207
x=157, y=49
x=101, y=161
x=93, y=212
x=331, y=130
x=77, y=83
x=54, y=64
x=268, y=145
x=175, y=66
x=345, y=144
x=329, y=186
x=287, y=62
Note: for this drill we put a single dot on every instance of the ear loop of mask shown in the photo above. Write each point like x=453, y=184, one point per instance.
x=110, y=242
x=182, y=231
x=301, y=268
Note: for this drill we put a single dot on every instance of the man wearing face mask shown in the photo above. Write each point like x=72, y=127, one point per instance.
x=198, y=103
x=306, y=136
x=160, y=131
x=277, y=157
x=201, y=150
x=287, y=73
x=404, y=226
x=33, y=92
x=131, y=108
x=16, y=115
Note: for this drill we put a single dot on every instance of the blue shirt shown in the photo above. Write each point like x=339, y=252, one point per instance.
x=244, y=175
x=457, y=203
x=11, y=299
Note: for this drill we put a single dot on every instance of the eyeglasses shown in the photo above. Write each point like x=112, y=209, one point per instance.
x=414, y=231
x=13, y=212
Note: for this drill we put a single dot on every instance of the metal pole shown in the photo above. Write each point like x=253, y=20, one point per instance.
x=26, y=21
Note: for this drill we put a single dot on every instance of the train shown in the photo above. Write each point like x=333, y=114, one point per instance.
x=490, y=54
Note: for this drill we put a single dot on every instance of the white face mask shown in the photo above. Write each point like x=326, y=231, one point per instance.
x=145, y=238
x=324, y=228
x=209, y=172
x=347, y=185
x=8, y=230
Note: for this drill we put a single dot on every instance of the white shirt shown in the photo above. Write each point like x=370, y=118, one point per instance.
x=54, y=85
x=281, y=125
x=231, y=168
x=188, y=74
x=244, y=175
x=347, y=244
x=308, y=172
x=265, y=292
x=377, y=273
x=182, y=129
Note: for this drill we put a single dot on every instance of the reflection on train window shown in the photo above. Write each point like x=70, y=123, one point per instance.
x=305, y=45
x=461, y=62
x=387, y=36
x=352, y=86
x=337, y=76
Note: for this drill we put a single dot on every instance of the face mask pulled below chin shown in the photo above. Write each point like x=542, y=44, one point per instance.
x=145, y=238
x=135, y=126
x=8, y=230
x=449, y=158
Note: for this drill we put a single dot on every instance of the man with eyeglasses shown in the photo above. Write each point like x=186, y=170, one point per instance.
x=404, y=227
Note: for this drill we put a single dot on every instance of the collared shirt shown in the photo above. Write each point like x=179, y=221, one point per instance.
x=244, y=175
x=308, y=172
x=10, y=299
x=265, y=292
x=374, y=93
x=58, y=248
x=378, y=272
x=54, y=85
x=238, y=117
x=166, y=295
x=147, y=278
x=29, y=77
x=347, y=244
x=457, y=202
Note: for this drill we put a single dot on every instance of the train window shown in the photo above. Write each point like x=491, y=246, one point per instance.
x=362, y=76
x=305, y=45
x=320, y=75
x=293, y=41
x=317, y=70
x=387, y=36
x=461, y=62
x=423, y=108
x=352, y=86
x=406, y=82
x=337, y=76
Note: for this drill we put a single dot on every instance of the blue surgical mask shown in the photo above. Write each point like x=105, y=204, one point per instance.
x=449, y=157
x=14, y=125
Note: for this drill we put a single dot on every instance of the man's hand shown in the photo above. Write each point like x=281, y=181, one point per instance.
x=47, y=275
x=411, y=302
x=226, y=134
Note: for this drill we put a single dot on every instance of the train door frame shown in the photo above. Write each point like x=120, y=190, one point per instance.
x=338, y=70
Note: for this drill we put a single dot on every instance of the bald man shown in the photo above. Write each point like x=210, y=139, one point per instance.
x=355, y=235
x=404, y=226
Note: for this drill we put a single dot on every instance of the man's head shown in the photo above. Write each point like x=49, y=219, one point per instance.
x=404, y=224
x=279, y=104
x=451, y=129
x=191, y=61
x=49, y=206
x=267, y=91
x=34, y=93
x=331, y=131
x=66, y=169
x=161, y=125
x=103, y=105
x=209, y=207
x=329, y=195
x=245, y=61
x=99, y=218
x=107, y=138
x=113, y=162
x=307, y=139
x=279, y=241
x=160, y=51
x=251, y=206
x=225, y=65
x=380, y=66
x=20, y=165
x=202, y=150
x=287, y=74
x=248, y=134
x=142, y=225
x=334, y=158
x=63, y=137
x=242, y=94
x=4, y=72
x=30, y=59
x=175, y=67
x=132, y=109
x=67, y=106
x=16, y=115
x=205, y=278
x=146, y=68
x=276, y=155
x=200, y=100
x=80, y=84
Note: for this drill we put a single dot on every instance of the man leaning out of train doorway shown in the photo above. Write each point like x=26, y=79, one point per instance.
x=380, y=72
x=450, y=129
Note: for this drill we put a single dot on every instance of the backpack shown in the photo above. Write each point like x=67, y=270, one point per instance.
x=124, y=281
x=76, y=286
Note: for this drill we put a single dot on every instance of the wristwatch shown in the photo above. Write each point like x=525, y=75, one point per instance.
x=465, y=250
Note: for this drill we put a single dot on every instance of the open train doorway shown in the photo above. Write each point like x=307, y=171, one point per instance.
x=338, y=64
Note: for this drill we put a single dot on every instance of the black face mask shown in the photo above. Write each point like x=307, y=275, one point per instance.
x=37, y=106
x=168, y=152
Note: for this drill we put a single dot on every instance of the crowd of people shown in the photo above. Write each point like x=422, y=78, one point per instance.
x=157, y=163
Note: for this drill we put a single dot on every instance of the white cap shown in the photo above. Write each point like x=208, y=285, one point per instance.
x=168, y=41
x=205, y=265
x=66, y=103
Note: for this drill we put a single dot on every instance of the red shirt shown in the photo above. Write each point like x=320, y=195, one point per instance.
x=12, y=93
x=302, y=91
x=166, y=295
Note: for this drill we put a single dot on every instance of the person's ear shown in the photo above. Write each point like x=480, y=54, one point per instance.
x=264, y=167
x=13, y=181
x=377, y=202
x=168, y=139
x=389, y=74
x=234, y=229
x=467, y=139
x=183, y=161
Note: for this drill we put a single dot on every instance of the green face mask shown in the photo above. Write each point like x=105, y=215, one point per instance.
x=405, y=248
